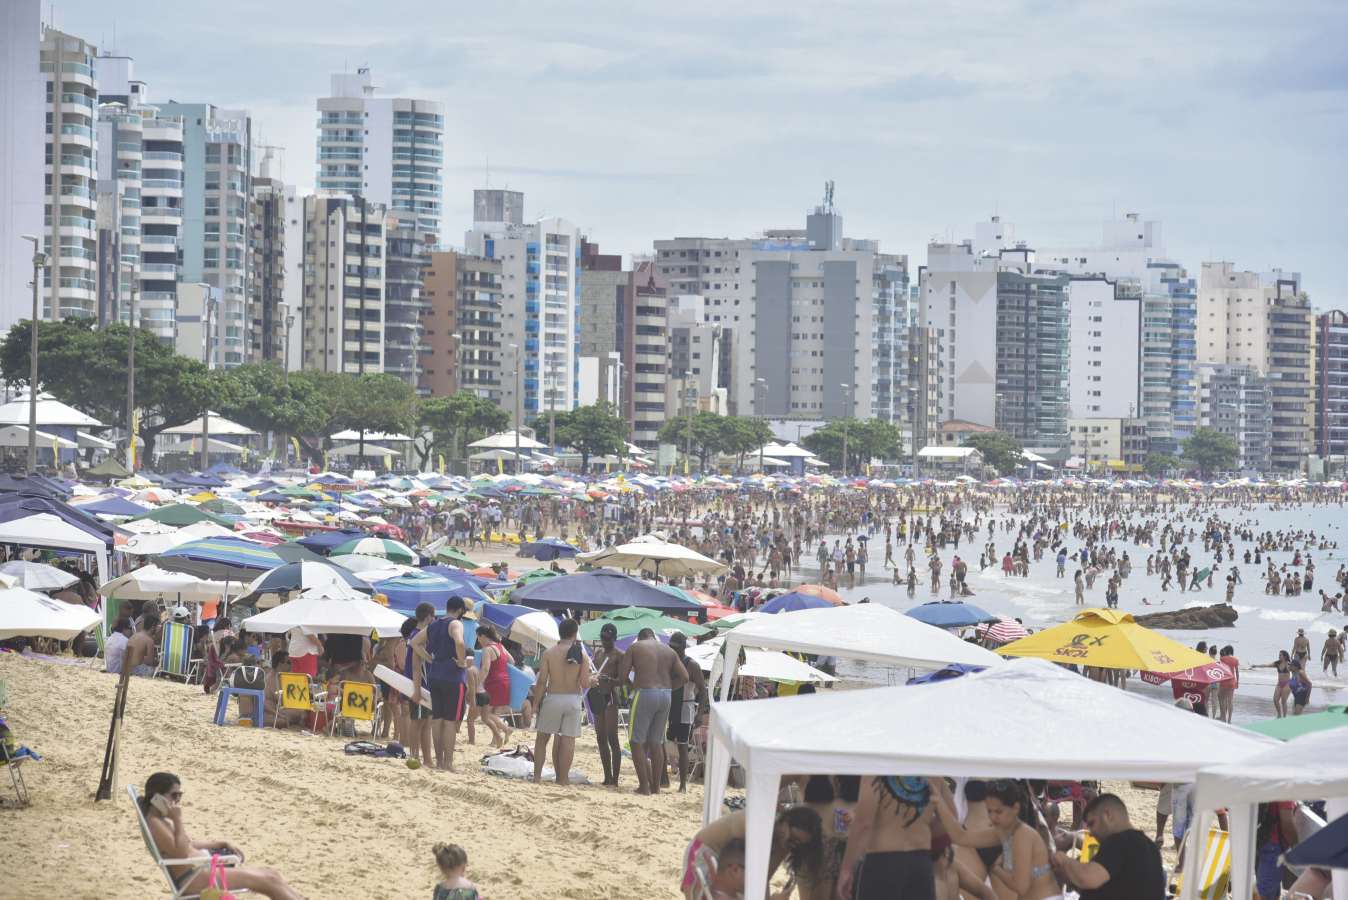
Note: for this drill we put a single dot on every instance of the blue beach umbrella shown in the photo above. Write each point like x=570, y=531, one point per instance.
x=404, y=592
x=549, y=549
x=600, y=590
x=219, y=558
x=950, y=614
x=793, y=602
x=1328, y=847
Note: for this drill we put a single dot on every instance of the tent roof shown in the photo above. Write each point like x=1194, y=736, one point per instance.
x=87, y=440
x=355, y=450
x=861, y=631
x=506, y=441
x=50, y=411
x=49, y=531
x=1097, y=732
x=220, y=426
x=1311, y=767
x=352, y=434
x=946, y=452
x=17, y=436
x=785, y=451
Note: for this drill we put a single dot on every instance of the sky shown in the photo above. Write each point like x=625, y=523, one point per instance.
x=1223, y=119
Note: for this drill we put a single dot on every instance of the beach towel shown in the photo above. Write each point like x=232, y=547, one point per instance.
x=510, y=766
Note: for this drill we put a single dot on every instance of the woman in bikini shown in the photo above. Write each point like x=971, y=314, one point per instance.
x=1023, y=865
x=1283, y=690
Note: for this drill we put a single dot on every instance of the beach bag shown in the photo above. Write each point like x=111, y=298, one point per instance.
x=218, y=886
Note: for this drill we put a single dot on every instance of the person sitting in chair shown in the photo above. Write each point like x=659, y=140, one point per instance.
x=161, y=804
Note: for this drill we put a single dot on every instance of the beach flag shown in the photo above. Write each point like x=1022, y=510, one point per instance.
x=441, y=458
x=295, y=442
x=55, y=451
x=135, y=429
x=500, y=466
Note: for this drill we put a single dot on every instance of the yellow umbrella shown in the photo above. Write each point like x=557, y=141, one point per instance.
x=1107, y=639
x=202, y=497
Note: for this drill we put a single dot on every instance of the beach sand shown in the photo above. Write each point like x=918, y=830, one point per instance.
x=335, y=826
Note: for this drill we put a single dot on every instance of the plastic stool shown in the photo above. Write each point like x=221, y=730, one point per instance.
x=222, y=703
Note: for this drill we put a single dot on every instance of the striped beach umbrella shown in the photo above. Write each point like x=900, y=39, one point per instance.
x=1003, y=631
x=219, y=558
x=395, y=551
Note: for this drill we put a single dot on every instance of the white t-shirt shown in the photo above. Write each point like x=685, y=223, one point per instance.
x=302, y=644
x=114, y=651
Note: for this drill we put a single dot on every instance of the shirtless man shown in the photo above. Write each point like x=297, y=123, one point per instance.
x=889, y=842
x=142, y=650
x=656, y=671
x=684, y=705
x=563, y=675
x=604, y=705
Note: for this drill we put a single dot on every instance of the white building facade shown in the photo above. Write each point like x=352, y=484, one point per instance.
x=22, y=84
x=343, y=305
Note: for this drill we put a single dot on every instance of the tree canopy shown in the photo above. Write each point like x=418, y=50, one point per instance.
x=594, y=430
x=999, y=449
x=1208, y=450
x=867, y=439
x=456, y=421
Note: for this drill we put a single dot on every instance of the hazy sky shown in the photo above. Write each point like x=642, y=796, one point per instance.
x=1225, y=120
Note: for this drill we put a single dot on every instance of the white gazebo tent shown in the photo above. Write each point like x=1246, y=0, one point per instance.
x=352, y=434
x=507, y=440
x=770, y=664
x=17, y=436
x=369, y=450
x=1311, y=767
x=50, y=412
x=50, y=532
x=219, y=427
x=865, y=631
x=497, y=454
x=1098, y=732
x=330, y=609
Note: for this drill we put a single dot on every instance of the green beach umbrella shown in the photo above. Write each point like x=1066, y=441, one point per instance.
x=223, y=507
x=1289, y=727
x=631, y=619
x=457, y=557
x=535, y=575
x=395, y=551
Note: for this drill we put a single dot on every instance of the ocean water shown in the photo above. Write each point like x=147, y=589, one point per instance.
x=1266, y=623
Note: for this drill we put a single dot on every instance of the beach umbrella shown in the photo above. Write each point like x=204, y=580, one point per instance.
x=945, y=673
x=272, y=587
x=406, y=591
x=650, y=554
x=328, y=611
x=1289, y=727
x=219, y=558
x=1003, y=631
x=735, y=619
x=537, y=626
x=112, y=506
x=1327, y=848
x=535, y=575
x=360, y=562
x=772, y=665
x=389, y=549
x=633, y=619
x=793, y=602
x=454, y=556
x=818, y=590
x=322, y=542
x=1212, y=673
x=950, y=614
x=38, y=576
x=601, y=589
x=1107, y=639
x=223, y=507
x=180, y=514
x=549, y=549
x=25, y=613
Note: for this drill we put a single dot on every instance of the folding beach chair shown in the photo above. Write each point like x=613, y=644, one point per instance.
x=198, y=865
x=297, y=694
x=357, y=701
x=1214, y=876
x=175, y=652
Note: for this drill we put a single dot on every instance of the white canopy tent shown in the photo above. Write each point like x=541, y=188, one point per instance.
x=50, y=411
x=932, y=729
x=497, y=453
x=369, y=450
x=179, y=444
x=154, y=542
x=50, y=532
x=770, y=664
x=153, y=583
x=866, y=631
x=329, y=610
x=507, y=440
x=1311, y=767
x=219, y=427
x=88, y=441
x=17, y=436
x=352, y=434
x=25, y=613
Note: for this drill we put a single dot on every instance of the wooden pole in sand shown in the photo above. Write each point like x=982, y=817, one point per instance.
x=108, y=779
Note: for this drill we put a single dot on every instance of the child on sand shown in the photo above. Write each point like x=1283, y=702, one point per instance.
x=454, y=885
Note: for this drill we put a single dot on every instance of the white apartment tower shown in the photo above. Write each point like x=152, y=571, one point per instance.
x=540, y=304
x=70, y=232
x=344, y=265
x=21, y=155
x=387, y=149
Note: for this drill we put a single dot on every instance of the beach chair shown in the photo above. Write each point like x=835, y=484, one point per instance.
x=13, y=763
x=1214, y=876
x=357, y=701
x=704, y=870
x=198, y=865
x=175, y=653
x=296, y=693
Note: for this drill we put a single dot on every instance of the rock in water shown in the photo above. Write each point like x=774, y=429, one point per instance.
x=1196, y=618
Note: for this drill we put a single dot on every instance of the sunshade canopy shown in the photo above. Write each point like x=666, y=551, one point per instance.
x=653, y=555
x=25, y=613
x=986, y=724
x=1108, y=639
x=950, y=614
x=1290, y=727
x=221, y=558
x=320, y=612
x=602, y=589
x=794, y=601
x=153, y=583
x=299, y=577
x=632, y=619
x=37, y=576
x=508, y=440
x=180, y=514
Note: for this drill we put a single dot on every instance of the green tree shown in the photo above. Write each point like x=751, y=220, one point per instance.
x=703, y=432
x=1208, y=450
x=456, y=421
x=999, y=449
x=741, y=435
x=866, y=439
x=595, y=430
x=266, y=399
x=1160, y=463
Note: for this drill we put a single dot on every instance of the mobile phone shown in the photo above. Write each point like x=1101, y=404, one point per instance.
x=161, y=803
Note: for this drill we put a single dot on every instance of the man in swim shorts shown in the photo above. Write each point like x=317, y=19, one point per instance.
x=655, y=671
x=563, y=676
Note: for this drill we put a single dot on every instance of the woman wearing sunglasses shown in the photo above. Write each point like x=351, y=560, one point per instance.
x=1023, y=864
x=161, y=804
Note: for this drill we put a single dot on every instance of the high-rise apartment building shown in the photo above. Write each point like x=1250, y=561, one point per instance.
x=1237, y=400
x=1014, y=375
x=1263, y=321
x=540, y=298
x=387, y=149
x=268, y=316
x=140, y=167
x=71, y=231
x=217, y=192
x=1131, y=255
x=1331, y=385
x=1109, y=444
x=699, y=359
x=407, y=253
x=438, y=352
x=811, y=316
x=343, y=305
x=21, y=156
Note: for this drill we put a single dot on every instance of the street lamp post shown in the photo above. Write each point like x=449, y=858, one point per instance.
x=847, y=414
x=211, y=313
x=763, y=413
x=39, y=262
x=131, y=374
x=285, y=379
